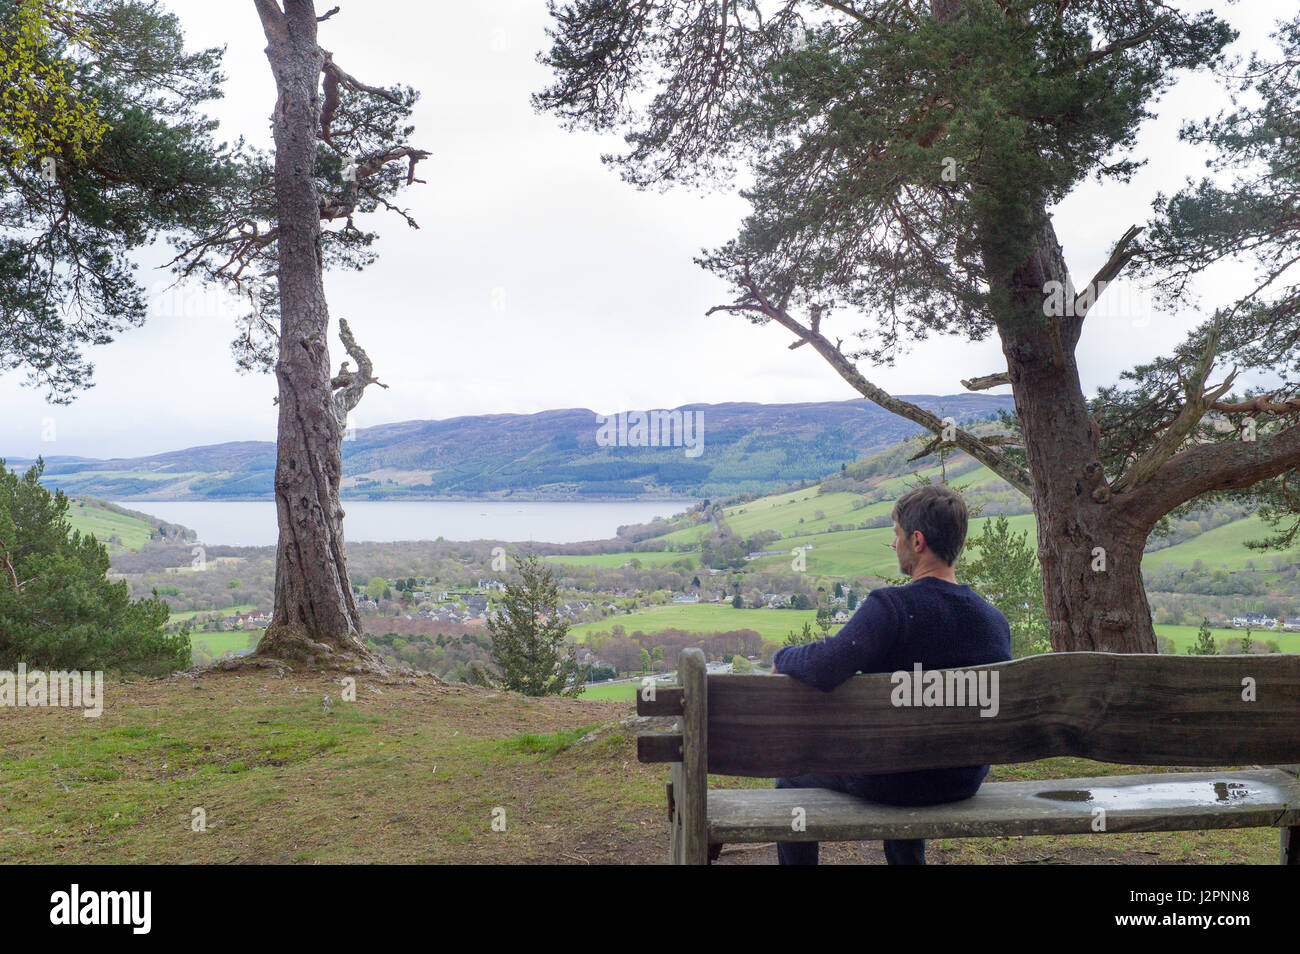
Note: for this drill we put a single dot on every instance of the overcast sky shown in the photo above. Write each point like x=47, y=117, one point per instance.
x=538, y=279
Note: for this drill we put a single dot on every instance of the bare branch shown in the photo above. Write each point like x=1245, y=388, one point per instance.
x=351, y=385
x=1120, y=256
x=986, y=382
x=847, y=10
x=754, y=301
x=1126, y=43
x=1264, y=404
x=993, y=440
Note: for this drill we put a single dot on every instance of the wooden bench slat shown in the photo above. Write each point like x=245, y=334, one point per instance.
x=1121, y=708
x=660, y=743
x=667, y=701
x=1156, y=802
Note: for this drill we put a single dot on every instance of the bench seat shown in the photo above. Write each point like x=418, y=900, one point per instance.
x=1195, y=713
x=1266, y=798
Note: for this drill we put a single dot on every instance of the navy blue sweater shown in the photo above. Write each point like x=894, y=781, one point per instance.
x=929, y=621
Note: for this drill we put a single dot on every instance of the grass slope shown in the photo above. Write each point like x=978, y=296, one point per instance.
x=1224, y=547
x=90, y=517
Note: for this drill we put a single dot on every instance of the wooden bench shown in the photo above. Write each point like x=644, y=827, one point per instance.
x=1122, y=709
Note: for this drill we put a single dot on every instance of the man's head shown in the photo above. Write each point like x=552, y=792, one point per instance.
x=929, y=528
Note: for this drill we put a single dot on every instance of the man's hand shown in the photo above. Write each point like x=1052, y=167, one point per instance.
x=774, y=672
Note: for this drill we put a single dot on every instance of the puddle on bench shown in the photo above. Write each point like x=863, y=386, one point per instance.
x=1159, y=793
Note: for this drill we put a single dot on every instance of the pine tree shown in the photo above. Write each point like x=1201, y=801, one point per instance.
x=103, y=146
x=1204, y=645
x=1003, y=568
x=803, y=637
x=528, y=636
x=58, y=609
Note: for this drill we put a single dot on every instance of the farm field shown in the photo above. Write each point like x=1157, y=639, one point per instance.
x=1184, y=636
x=772, y=624
x=853, y=553
x=613, y=692
x=612, y=561
x=224, y=611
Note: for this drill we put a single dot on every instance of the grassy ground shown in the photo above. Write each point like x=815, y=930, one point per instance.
x=411, y=772
x=615, y=692
x=218, y=643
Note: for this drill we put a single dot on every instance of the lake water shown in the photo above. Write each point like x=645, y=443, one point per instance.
x=252, y=523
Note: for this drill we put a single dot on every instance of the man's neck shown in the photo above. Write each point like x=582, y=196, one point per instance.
x=940, y=571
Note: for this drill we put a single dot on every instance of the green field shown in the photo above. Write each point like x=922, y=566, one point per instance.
x=852, y=553
x=794, y=513
x=224, y=611
x=218, y=643
x=1184, y=636
x=773, y=625
x=90, y=517
x=615, y=692
x=612, y=561
x=1223, y=547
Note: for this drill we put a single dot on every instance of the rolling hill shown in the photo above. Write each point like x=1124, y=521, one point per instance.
x=557, y=454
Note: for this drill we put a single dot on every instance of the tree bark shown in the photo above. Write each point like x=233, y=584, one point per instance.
x=1090, y=549
x=316, y=620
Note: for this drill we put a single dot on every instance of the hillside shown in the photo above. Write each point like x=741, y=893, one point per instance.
x=842, y=526
x=409, y=773
x=119, y=529
x=559, y=454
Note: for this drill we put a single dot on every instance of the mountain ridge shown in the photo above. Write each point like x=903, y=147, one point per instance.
x=552, y=454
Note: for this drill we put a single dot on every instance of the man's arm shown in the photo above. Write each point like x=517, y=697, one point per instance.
x=861, y=646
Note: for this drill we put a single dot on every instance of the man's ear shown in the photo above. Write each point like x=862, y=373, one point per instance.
x=918, y=542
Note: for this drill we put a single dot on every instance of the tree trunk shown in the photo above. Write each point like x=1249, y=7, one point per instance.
x=316, y=620
x=1090, y=551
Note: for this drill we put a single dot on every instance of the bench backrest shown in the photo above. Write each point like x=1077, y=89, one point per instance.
x=1119, y=708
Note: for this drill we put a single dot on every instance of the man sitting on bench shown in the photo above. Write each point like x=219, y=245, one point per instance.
x=934, y=621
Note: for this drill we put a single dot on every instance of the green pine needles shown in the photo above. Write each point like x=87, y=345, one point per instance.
x=528, y=636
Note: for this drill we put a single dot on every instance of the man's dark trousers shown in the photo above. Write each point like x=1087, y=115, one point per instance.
x=909, y=851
